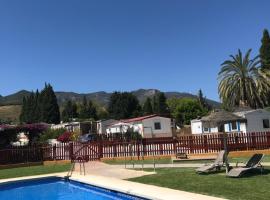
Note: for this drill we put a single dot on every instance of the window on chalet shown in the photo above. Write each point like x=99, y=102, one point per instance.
x=157, y=125
x=206, y=130
x=266, y=123
x=234, y=125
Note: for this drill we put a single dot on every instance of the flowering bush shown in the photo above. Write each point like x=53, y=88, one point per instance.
x=75, y=135
x=8, y=133
x=65, y=137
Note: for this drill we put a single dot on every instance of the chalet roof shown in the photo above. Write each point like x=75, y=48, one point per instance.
x=138, y=118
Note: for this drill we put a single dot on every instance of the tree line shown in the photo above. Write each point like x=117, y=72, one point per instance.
x=43, y=107
x=40, y=107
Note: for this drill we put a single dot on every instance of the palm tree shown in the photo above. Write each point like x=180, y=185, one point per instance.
x=243, y=82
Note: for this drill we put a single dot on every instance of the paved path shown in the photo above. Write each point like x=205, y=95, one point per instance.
x=115, y=171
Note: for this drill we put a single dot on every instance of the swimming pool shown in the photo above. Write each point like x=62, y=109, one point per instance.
x=58, y=189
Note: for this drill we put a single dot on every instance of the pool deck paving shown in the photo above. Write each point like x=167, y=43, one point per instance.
x=102, y=169
x=128, y=187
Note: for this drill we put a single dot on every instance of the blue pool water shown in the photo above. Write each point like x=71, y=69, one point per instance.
x=58, y=189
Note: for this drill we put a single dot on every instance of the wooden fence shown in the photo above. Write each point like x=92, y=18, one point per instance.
x=143, y=147
x=21, y=155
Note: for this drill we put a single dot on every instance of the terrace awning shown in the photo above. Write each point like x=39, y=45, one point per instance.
x=220, y=117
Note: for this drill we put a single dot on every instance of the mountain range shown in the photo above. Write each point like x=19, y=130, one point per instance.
x=100, y=97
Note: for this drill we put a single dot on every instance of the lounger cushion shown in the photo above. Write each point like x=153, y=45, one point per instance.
x=236, y=172
x=206, y=168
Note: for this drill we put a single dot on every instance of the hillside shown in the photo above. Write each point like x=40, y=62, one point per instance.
x=11, y=112
x=99, y=97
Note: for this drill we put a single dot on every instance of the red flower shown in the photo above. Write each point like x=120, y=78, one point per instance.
x=65, y=137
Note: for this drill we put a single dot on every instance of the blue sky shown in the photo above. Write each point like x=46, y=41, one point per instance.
x=87, y=45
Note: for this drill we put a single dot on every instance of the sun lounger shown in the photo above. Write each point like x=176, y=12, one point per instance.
x=218, y=163
x=253, y=163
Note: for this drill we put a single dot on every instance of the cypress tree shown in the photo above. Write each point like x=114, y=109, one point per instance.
x=147, y=107
x=49, y=108
x=88, y=110
x=202, y=101
x=70, y=111
x=163, y=107
x=265, y=50
x=123, y=105
x=91, y=110
x=31, y=105
x=159, y=104
x=83, y=109
x=155, y=104
x=40, y=107
x=36, y=107
x=23, y=111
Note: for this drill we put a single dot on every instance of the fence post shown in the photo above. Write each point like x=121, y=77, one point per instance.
x=100, y=149
x=174, y=146
x=253, y=139
x=205, y=143
x=138, y=150
x=71, y=150
x=268, y=139
x=41, y=153
x=54, y=152
x=190, y=142
x=114, y=150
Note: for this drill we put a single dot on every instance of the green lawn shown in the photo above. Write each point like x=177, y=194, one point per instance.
x=246, y=188
x=168, y=161
x=34, y=170
x=244, y=159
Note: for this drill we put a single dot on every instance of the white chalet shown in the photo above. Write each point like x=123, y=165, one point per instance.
x=255, y=121
x=148, y=126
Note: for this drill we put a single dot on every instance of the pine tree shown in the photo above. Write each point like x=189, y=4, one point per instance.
x=147, y=107
x=265, y=50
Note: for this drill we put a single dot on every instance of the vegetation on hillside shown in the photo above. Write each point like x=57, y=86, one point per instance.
x=10, y=114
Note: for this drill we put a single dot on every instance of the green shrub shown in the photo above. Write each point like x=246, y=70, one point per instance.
x=51, y=134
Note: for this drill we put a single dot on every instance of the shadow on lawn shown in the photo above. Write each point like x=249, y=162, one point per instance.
x=251, y=173
x=255, y=172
